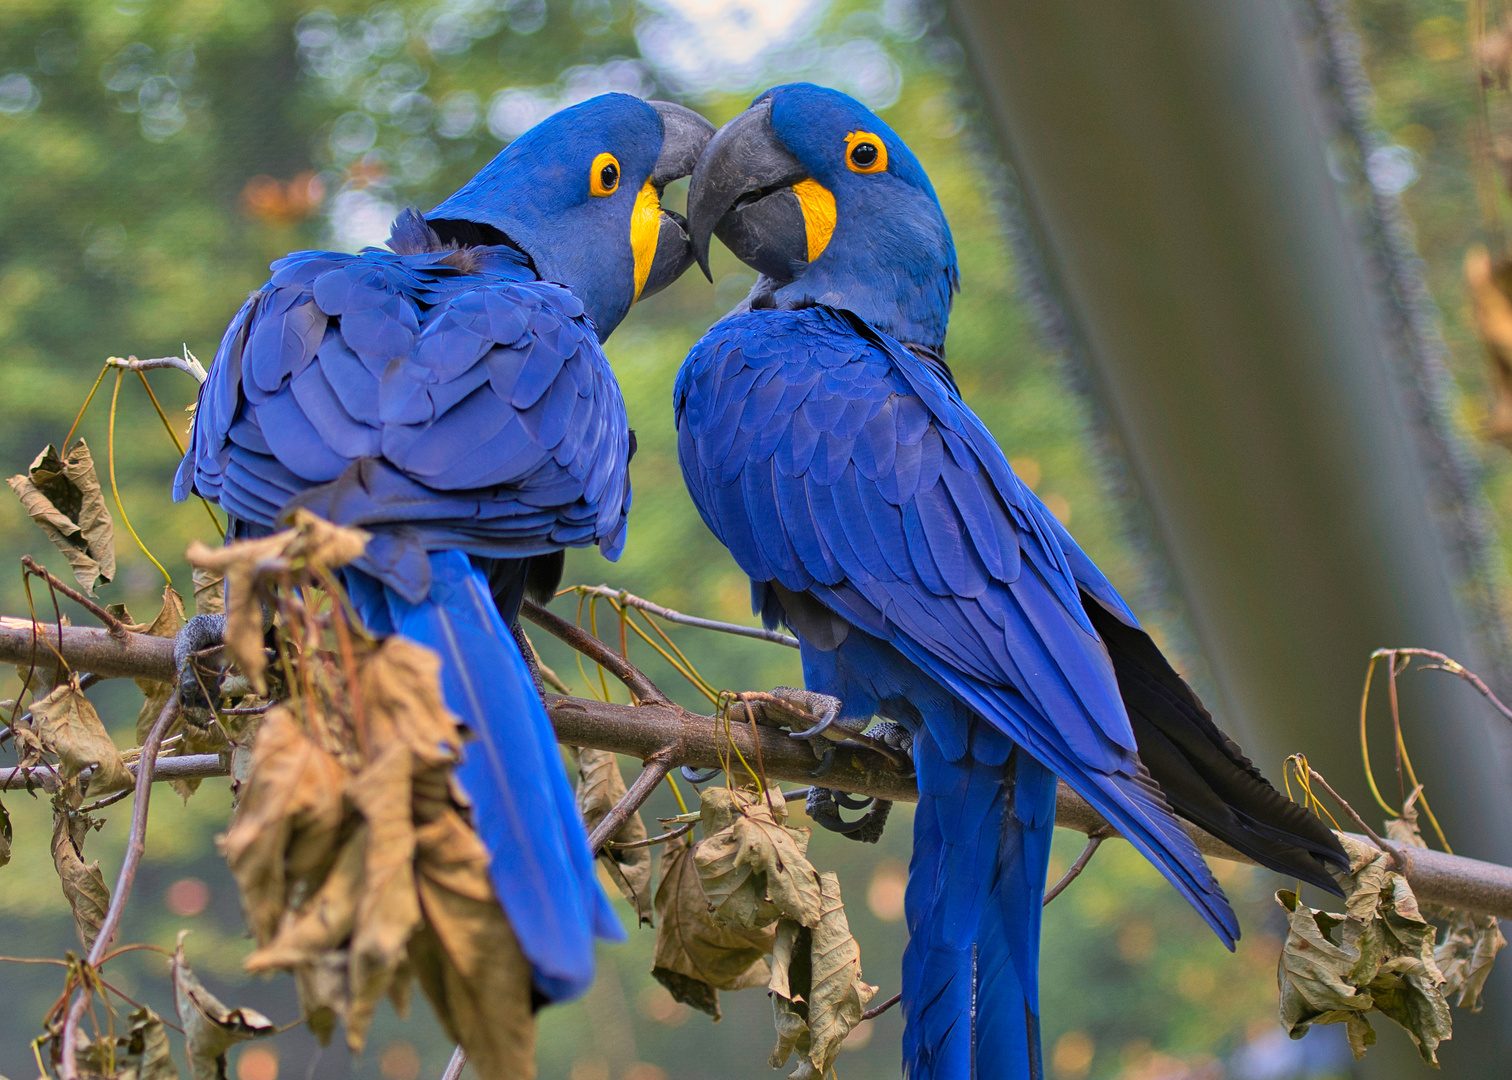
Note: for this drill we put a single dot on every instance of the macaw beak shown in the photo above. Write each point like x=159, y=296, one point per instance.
x=743, y=193
x=685, y=134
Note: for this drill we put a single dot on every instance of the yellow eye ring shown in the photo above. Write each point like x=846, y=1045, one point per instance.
x=865, y=153
x=604, y=175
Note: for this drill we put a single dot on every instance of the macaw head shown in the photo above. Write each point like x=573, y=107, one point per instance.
x=811, y=189
x=580, y=195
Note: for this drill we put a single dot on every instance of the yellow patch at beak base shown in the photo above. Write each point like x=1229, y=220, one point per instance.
x=645, y=229
x=818, y=207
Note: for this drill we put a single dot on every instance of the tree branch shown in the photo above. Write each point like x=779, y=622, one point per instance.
x=658, y=765
x=703, y=741
x=115, y=626
x=634, y=679
x=620, y=596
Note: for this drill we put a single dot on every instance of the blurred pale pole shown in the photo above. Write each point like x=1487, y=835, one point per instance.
x=1170, y=158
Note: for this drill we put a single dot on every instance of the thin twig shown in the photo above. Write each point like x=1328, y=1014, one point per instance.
x=876, y=1011
x=116, y=627
x=1094, y=841
x=630, y=600
x=1354, y=816
x=188, y=364
x=455, y=1066
x=1453, y=667
x=634, y=679
x=658, y=765
x=681, y=830
x=136, y=844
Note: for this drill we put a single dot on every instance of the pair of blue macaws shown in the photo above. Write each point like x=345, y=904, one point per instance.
x=451, y=397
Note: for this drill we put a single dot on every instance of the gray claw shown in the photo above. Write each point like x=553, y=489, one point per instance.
x=821, y=705
x=826, y=760
x=699, y=776
x=823, y=805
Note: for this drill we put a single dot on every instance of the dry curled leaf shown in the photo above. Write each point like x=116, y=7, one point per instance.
x=83, y=885
x=142, y=1053
x=287, y=827
x=1376, y=956
x=696, y=957
x=1466, y=954
x=168, y=622
x=466, y=957
x=324, y=921
x=248, y=565
x=210, y=1028
x=600, y=787
x=5, y=835
x=209, y=592
x=400, y=693
x=63, y=497
x=753, y=866
x=67, y=724
x=388, y=911
x=818, y=995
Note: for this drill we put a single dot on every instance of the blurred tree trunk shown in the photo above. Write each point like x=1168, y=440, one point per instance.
x=1172, y=170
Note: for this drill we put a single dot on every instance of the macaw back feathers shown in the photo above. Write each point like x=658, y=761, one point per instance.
x=442, y=398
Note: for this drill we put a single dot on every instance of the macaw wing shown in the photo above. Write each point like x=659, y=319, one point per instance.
x=831, y=460
x=456, y=400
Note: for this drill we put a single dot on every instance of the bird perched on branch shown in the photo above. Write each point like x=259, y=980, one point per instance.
x=826, y=444
x=451, y=397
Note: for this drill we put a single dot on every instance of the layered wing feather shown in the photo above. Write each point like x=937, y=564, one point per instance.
x=441, y=400
x=831, y=460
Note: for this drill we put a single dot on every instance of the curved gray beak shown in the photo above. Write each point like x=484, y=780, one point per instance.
x=742, y=192
x=685, y=134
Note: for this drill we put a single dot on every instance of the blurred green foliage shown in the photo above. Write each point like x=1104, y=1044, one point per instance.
x=157, y=154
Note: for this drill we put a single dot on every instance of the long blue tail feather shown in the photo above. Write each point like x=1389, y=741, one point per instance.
x=976, y=885
x=522, y=805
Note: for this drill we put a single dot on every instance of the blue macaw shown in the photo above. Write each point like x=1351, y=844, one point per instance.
x=826, y=444
x=451, y=397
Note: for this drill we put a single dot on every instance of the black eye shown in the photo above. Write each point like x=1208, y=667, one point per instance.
x=609, y=176
x=864, y=154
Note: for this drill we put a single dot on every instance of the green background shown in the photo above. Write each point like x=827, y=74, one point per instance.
x=132, y=222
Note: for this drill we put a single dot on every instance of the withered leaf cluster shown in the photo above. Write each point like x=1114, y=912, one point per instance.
x=62, y=496
x=747, y=891
x=358, y=870
x=1377, y=955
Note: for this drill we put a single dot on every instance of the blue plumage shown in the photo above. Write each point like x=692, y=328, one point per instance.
x=451, y=397
x=825, y=443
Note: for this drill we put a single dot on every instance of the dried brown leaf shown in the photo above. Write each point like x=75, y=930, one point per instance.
x=600, y=787
x=168, y=622
x=142, y=1053
x=288, y=824
x=5, y=835
x=83, y=885
x=66, y=722
x=209, y=592
x=696, y=957
x=816, y=978
x=466, y=957
x=324, y=993
x=63, y=497
x=400, y=692
x=210, y=1028
x=322, y=922
x=388, y=911
x=1376, y=956
x=1470, y=945
x=753, y=866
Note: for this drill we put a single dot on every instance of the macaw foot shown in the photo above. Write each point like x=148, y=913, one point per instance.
x=823, y=805
x=894, y=735
x=196, y=657
x=826, y=708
